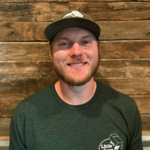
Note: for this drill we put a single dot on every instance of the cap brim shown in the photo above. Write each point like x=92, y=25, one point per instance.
x=59, y=25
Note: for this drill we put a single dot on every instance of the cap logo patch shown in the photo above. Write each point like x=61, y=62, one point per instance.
x=73, y=14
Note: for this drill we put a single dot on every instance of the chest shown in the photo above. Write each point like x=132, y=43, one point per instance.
x=78, y=131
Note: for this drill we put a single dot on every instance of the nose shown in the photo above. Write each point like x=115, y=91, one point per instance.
x=76, y=50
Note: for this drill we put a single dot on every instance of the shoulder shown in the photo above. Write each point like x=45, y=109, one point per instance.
x=117, y=99
x=34, y=102
x=119, y=106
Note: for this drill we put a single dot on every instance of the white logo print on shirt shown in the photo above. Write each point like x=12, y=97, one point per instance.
x=114, y=142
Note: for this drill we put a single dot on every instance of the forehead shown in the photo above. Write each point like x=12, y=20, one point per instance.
x=74, y=32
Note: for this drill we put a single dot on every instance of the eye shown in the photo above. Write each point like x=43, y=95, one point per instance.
x=85, y=42
x=64, y=44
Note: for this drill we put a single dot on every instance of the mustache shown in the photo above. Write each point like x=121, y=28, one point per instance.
x=74, y=60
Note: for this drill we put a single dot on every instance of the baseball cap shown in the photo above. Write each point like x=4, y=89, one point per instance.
x=72, y=18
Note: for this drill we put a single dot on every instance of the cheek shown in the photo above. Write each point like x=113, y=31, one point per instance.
x=93, y=54
x=60, y=56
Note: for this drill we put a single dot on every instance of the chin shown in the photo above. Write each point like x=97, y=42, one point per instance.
x=75, y=81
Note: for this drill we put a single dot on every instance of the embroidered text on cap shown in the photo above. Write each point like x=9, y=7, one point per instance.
x=73, y=14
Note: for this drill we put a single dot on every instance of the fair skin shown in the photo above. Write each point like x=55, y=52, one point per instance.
x=75, y=58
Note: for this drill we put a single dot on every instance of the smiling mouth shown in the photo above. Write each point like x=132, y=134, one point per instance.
x=77, y=64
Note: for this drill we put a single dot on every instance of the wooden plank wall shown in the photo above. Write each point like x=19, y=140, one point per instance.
x=25, y=66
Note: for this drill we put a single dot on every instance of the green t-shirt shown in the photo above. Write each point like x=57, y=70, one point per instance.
x=109, y=121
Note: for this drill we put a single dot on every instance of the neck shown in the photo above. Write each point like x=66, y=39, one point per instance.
x=76, y=95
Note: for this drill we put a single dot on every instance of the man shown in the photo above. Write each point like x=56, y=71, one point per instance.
x=76, y=113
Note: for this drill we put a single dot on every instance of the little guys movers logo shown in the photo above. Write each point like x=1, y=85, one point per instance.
x=114, y=142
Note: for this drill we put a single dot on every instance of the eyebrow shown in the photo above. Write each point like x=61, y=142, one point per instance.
x=66, y=38
x=87, y=36
x=63, y=38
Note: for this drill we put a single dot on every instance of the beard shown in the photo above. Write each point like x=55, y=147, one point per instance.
x=76, y=82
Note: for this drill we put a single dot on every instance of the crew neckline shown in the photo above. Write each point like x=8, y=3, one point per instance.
x=76, y=107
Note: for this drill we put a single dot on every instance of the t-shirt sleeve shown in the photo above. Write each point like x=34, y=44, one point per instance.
x=16, y=140
x=135, y=142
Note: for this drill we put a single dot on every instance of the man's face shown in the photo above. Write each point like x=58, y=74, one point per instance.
x=75, y=55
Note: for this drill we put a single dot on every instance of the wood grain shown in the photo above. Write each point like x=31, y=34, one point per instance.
x=143, y=103
x=30, y=12
x=110, y=30
x=124, y=30
x=4, y=138
x=126, y=69
x=30, y=1
x=25, y=12
x=145, y=133
x=39, y=51
x=125, y=49
x=34, y=1
x=24, y=51
x=114, y=10
x=23, y=31
x=145, y=121
x=4, y=126
x=108, y=0
x=119, y=69
x=23, y=88
x=12, y=93
x=129, y=86
x=108, y=69
x=7, y=105
x=36, y=11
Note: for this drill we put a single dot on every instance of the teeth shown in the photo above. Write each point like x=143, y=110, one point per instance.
x=76, y=65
